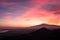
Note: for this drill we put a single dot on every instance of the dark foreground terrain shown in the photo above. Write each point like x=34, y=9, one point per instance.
x=37, y=35
x=40, y=34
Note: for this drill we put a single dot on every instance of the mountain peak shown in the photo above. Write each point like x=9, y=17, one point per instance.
x=44, y=24
x=48, y=26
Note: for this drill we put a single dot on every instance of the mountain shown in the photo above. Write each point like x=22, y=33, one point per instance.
x=42, y=32
x=28, y=30
x=48, y=26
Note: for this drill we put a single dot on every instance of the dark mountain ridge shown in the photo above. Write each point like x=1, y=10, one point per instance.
x=41, y=33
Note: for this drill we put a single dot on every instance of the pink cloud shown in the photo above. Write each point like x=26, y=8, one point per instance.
x=7, y=18
x=43, y=2
x=34, y=13
x=40, y=2
x=4, y=4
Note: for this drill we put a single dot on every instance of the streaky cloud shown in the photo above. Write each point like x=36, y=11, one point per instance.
x=50, y=7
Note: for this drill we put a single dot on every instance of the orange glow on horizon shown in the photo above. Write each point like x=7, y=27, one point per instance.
x=29, y=13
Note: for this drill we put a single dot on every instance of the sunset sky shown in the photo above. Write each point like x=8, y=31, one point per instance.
x=25, y=13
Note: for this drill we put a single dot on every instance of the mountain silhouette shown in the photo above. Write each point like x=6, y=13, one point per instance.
x=42, y=32
x=48, y=26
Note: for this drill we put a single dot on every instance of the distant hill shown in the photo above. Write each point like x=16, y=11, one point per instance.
x=48, y=26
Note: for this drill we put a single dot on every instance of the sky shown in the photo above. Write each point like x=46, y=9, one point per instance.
x=26, y=13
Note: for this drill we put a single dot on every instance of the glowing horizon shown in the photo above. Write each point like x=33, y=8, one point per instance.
x=26, y=13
